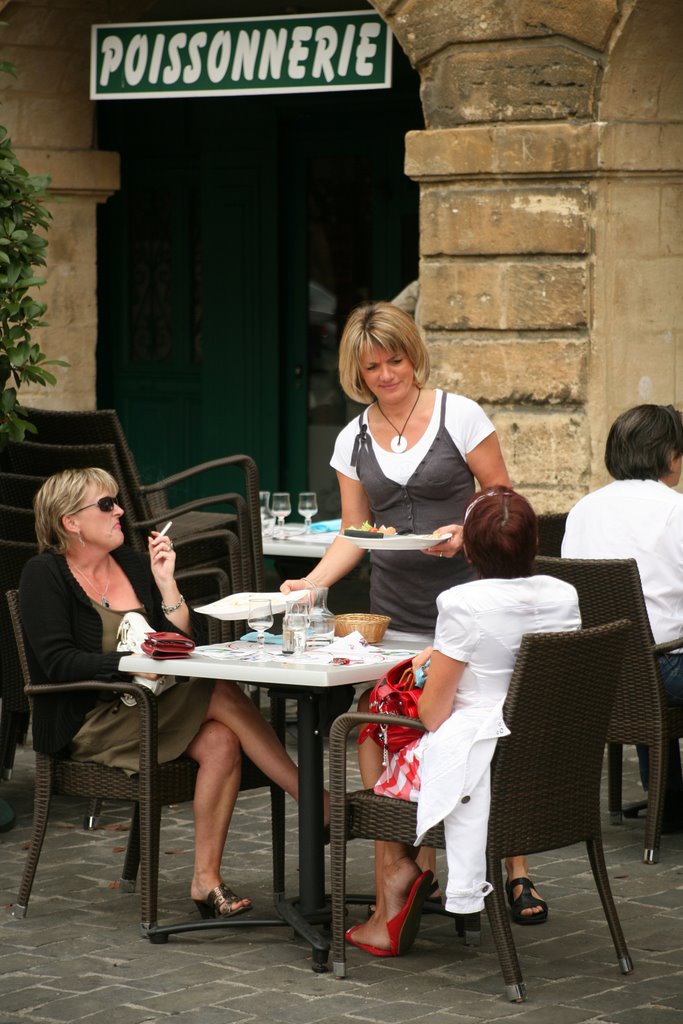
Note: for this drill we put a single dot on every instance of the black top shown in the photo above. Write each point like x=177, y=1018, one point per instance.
x=63, y=634
x=406, y=584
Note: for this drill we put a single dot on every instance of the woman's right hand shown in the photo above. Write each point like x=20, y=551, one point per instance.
x=287, y=586
x=421, y=658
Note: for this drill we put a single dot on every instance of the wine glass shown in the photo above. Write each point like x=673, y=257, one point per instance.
x=260, y=619
x=308, y=507
x=281, y=507
x=266, y=514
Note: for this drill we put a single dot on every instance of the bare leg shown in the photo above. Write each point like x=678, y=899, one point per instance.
x=398, y=872
x=518, y=867
x=370, y=764
x=231, y=707
x=217, y=752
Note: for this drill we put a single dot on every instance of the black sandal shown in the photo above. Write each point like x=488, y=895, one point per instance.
x=525, y=901
x=220, y=902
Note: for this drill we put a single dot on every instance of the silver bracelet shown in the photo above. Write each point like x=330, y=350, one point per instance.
x=168, y=608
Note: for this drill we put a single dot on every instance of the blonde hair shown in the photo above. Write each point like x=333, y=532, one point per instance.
x=385, y=326
x=61, y=495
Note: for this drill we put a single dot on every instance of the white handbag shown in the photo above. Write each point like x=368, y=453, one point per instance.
x=132, y=631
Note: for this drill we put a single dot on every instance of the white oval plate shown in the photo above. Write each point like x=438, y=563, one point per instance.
x=236, y=606
x=397, y=541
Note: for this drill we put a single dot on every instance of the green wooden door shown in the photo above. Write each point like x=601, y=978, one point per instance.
x=244, y=233
x=188, y=349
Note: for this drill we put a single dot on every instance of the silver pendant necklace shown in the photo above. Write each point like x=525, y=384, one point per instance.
x=103, y=593
x=399, y=444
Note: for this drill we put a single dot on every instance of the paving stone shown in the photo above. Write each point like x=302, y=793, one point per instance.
x=79, y=951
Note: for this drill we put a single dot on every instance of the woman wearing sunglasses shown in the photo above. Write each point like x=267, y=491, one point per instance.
x=73, y=595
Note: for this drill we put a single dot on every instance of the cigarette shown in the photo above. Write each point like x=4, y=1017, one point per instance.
x=165, y=530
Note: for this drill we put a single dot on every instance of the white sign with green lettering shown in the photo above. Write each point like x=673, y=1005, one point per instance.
x=240, y=57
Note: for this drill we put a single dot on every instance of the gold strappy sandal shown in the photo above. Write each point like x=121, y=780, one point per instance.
x=220, y=902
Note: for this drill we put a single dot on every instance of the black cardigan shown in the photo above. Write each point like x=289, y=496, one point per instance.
x=64, y=639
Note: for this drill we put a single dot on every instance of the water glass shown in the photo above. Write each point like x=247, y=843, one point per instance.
x=308, y=507
x=281, y=507
x=294, y=628
x=260, y=619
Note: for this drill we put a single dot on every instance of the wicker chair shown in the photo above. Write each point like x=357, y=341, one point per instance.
x=15, y=710
x=550, y=533
x=561, y=692
x=17, y=489
x=17, y=524
x=156, y=785
x=609, y=589
x=220, y=545
x=32, y=459
x=152, y=501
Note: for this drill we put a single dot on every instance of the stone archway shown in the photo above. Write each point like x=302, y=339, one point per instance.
x=518, y=252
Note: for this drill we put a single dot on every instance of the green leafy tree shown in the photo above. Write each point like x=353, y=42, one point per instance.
x=22, y=250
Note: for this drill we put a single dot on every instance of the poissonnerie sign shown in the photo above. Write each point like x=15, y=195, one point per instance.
x=312, y=53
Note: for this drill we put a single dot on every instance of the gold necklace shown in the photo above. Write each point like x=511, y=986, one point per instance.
x=102, y=593
x=399, y=444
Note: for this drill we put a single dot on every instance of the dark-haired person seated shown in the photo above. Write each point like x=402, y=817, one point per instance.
x=640, y=515
x=479, y=629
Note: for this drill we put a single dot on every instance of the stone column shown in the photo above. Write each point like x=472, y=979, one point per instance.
x=505, y=240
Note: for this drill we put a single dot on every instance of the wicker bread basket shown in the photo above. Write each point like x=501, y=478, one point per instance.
x=372, y=627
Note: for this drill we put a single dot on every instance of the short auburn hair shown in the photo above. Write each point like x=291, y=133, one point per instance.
x=500, y=534
x=385, y=326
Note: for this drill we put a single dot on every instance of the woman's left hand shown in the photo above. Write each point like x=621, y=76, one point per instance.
x=162, y=558
x=450, y=547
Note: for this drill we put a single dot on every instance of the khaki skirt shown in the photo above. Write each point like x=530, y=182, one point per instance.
x=110, y=733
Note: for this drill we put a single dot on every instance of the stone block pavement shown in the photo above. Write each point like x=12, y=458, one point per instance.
x=78, y=955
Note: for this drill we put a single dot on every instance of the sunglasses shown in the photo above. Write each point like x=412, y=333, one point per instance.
x=103, y=504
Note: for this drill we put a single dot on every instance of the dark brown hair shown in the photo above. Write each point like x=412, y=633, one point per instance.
x=642, y=442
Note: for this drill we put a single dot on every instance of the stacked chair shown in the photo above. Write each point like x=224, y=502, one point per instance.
x=149, y=506
x=558, y=709
x=610, y=589
x=15, y=711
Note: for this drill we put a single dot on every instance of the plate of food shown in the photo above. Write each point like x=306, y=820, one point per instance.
x=236, y=606
x=386, y=538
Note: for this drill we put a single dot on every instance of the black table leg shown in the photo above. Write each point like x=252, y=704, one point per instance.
x=309, y=908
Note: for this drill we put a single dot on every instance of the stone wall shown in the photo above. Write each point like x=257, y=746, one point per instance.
x=51, y=122
x=551, y=171
x=550, y=230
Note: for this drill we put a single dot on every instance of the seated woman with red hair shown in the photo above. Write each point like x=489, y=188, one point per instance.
x=478, y=633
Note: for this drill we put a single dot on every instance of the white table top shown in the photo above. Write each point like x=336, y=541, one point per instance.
x=298, y=544
x=284, y=672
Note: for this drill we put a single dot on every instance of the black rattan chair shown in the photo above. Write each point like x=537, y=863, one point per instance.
x=154, y=787
x=15, y=710
x=17, y=489
x=550, y=533
x=561, y=695
x=153, y=503
x=610, y=589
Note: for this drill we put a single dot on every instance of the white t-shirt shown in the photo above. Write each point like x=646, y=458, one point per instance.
x=482, y=623
x=465, y=421
x=641, y=519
